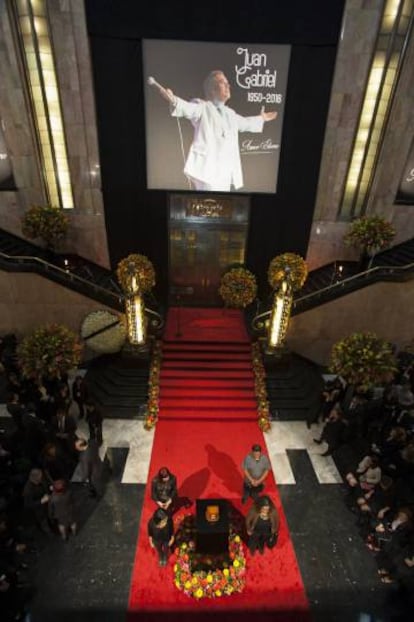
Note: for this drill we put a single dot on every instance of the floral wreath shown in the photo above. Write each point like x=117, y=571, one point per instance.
x=260, y=388
x=370, y=232
x=109, y=340
x=141, y=268
x=289, y=267
x=151, y=416
x=238, y=287
x=212, y=583
x=363, y=358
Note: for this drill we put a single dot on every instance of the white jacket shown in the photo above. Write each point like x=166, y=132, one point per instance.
x=214, y=154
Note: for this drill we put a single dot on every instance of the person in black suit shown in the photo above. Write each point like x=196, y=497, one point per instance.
x=333, y=432
x=91, y=465
x=95, y=419
x=16, y=409
x=79, y=394
x=64, y=429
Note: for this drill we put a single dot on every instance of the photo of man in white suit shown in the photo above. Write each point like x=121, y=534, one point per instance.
x=213, y=162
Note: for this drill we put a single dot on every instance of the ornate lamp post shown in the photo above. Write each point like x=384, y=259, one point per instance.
x=279, y=321
x=134, y=309
x=287, y=273
x=136, y=276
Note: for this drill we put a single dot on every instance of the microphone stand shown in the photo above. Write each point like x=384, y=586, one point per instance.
x=178, y=327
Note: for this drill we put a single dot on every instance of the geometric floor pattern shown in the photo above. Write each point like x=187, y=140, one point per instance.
x=282, y=437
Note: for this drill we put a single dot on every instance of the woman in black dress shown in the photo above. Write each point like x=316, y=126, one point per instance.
x=161, y=534
x=262, y=524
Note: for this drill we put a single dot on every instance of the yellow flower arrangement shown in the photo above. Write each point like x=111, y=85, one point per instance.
x=47, y=223
x=151, y=417
x=238, y=287
x=259, y=371
x=49, y=352
x=287, y=267
x=141, y=268
x=212, y=583
x=363, y=359
x=371, y=233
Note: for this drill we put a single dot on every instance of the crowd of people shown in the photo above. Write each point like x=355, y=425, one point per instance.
x=369, y=433
x=39, y=453
x=371, y=437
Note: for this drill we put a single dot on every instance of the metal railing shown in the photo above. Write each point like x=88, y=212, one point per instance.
x=66, y=277
x=340, y=288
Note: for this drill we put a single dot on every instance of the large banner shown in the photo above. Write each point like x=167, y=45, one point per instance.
x=405, y=194
x=214, y=115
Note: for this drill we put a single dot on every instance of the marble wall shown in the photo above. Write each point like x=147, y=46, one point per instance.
x=87, y=235
x=384, y=308
x=360, y=25
x=29, y=300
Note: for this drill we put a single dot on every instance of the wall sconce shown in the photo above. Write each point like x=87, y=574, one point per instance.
x=282, y=304
x=31, y=20
x=134, y=309
x=390, y=50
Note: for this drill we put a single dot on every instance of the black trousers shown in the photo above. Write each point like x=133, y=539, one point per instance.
x=252, y=491
x=95, y=432
x=260, y=540
x=162, y=549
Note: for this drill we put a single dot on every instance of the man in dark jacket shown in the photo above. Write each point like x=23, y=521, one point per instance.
x=36, y=498
x=94, y=418
x=91, y=465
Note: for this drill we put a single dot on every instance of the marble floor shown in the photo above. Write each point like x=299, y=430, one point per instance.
x=283, y=436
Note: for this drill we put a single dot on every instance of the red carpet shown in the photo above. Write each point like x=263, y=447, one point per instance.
x=200, y=439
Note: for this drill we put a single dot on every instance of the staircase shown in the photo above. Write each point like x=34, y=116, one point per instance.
x=118, y=384
x=69, y=270
x=293, y=385
x=340, y=278
x=207, y=380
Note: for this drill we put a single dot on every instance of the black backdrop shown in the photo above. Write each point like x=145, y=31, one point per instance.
x=137, y=219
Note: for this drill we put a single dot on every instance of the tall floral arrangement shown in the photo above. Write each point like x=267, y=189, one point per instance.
x=288, y=267
x=49, y=224
x=238, y=287
x=49, y=351
x=259, y=371
x=139, y=267
x=151, y=416
x=363, y=359
x=370, y=233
